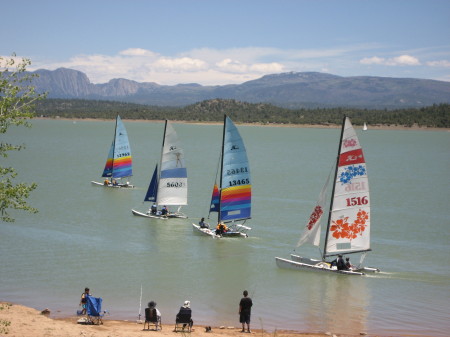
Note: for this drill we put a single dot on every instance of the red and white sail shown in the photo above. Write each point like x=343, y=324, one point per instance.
x=349, y=226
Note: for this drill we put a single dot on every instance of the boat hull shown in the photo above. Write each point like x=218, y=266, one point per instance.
x=111, y=185
x=163, y=217
x=298, y=258
x=212, y=233
x=319, y=267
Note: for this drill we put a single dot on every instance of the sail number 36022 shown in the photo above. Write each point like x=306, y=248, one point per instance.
x=357, y=201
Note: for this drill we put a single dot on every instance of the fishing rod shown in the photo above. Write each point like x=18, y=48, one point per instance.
x=140, y=305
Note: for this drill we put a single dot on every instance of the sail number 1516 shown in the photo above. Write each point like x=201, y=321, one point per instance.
x=357, y=201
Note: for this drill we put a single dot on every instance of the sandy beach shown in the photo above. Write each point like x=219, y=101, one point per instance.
x=20, y=321
x=313, y=126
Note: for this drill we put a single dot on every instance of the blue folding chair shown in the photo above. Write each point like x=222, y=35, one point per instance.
x=94, y=310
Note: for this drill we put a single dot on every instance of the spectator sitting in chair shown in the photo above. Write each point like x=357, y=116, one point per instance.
x=185, y=310
x=152, y=305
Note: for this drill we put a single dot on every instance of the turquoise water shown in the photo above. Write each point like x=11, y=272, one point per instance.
x=86, y=235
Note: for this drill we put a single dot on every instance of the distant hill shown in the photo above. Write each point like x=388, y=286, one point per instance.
x=290, y=90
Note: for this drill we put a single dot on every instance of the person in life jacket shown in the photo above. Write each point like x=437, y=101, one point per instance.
x=83, y=301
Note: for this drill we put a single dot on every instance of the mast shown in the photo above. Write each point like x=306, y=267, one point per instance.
x=160, y=160
x=114, y=149
x=221, y=166
x=332, y=192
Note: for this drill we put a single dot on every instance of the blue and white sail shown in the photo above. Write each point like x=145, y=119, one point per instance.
x=152, y=191
x=172, y=177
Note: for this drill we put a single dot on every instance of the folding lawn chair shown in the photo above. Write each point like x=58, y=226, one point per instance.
x=183, y=320
x=94, y=310
x=151, y=318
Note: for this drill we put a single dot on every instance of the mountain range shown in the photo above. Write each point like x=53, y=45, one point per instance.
x=291, y=90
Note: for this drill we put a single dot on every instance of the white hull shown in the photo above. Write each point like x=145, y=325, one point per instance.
x=319, y=267
x=212, y=232
x=111, y=185
x=301, y=263
x=163, y=217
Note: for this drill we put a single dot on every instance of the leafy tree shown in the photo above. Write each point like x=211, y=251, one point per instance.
x=17, y=98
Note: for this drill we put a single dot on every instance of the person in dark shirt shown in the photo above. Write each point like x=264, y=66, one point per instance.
x=340, y=263
x=185, y=310
x=245, y=309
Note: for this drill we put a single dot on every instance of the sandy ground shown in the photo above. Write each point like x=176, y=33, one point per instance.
x=317, y=126
x=20, y=321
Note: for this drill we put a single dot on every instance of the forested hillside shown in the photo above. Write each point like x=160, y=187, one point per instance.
x=437, y=116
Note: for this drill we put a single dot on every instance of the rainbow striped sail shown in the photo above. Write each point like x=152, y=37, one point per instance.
x=235, y=185
x=119, y=162
x=215, y=199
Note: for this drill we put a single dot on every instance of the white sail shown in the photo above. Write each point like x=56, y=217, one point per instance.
x=172, y=187
x=365, y=127
x=311, y=232
x=349, y=226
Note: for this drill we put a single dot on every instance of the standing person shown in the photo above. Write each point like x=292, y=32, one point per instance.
x=245, y=309
x=83, y=301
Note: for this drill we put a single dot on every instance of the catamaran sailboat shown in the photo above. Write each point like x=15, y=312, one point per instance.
x=119, y=161
x=231, y=199
x=348, y=229
x=168, y=185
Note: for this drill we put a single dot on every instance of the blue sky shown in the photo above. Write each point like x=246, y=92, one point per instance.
x=229, y=41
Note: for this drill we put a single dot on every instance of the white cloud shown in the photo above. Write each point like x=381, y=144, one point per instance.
x=137, y=52
x=209, y=66
x=372, y=60
x=177, y=64
x=402, y=60
x=442, y=63
x=267, y=68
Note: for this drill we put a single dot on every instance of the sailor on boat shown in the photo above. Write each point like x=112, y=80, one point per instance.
x=153, y=209
x=339, y=263
x=221, y=228
x=203, y=224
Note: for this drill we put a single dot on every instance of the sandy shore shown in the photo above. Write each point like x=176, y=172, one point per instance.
x=314, y=126
x=20, y=321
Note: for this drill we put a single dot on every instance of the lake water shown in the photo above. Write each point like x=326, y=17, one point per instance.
x=85, y=235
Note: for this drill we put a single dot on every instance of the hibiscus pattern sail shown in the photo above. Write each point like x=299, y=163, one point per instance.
x=349, y=227
x=311, y=232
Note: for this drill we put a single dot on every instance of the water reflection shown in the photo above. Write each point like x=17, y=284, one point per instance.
x=337, y=303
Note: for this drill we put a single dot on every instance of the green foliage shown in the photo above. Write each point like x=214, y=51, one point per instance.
x=17, y=102
x=437, y=116
x=4, y=326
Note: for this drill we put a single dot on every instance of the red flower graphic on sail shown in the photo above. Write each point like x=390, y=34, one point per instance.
x=342, y=229
x=350, y=142
x=315, y=216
